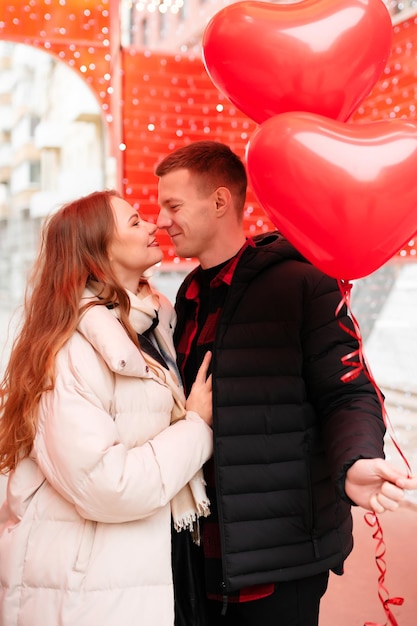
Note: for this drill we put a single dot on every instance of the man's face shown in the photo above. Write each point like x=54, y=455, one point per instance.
x=187, y=213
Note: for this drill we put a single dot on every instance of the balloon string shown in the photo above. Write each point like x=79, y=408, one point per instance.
x=357, y=362
x=372, y=520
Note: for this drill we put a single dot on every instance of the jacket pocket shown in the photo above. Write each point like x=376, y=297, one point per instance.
x=86, y=546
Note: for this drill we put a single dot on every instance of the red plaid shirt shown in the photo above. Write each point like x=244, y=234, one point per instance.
x=205, y=297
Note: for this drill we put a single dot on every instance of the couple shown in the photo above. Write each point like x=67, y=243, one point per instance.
x=105, y=428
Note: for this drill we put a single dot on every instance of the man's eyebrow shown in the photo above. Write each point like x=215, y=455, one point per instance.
x=170, y=200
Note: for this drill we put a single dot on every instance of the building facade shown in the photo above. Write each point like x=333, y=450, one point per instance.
x=52, y=149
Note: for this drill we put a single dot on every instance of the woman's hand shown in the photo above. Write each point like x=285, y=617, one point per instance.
x=200, y=398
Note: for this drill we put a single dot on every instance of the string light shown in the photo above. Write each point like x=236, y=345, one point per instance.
x=401, y=10
x=394, y=6
x=397, y=6
x=76, y=31
x=174, y=6
x=152, y=6
x=167, y=97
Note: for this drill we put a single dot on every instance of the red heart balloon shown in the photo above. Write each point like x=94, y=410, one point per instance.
x=320, y=56
x=344, y=194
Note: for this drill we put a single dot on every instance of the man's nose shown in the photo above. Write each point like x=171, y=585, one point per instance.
x=163, y=221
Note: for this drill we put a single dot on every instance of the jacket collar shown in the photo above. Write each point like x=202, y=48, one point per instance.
x=107, y=336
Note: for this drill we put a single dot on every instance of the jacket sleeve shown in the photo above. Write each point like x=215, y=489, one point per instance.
x=78, y=449
x=350, y=413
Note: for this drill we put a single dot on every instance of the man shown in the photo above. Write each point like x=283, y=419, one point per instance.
x=294, y=446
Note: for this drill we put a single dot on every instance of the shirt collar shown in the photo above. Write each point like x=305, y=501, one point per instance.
x=225, y=275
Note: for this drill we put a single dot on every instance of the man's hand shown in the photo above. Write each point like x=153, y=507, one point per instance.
x=376, y=485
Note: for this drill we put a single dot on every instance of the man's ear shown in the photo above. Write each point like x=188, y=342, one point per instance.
x=223, y=201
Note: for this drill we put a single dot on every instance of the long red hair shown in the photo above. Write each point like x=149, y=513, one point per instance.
x=73, y=251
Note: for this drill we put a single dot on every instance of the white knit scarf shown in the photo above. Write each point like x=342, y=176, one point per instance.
x=191, y=502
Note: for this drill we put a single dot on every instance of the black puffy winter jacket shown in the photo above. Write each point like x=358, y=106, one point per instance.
x=286, y=428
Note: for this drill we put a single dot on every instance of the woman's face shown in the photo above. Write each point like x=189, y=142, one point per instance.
x=133, y=248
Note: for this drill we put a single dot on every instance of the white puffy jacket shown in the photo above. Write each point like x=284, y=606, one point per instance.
x=85, y=532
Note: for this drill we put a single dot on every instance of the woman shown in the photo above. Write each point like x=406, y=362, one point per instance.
x=95, y=432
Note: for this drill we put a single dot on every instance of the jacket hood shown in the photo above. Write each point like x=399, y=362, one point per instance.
x=276, y=243
x=271, y=248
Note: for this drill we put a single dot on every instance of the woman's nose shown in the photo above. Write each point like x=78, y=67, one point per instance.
x=152, y=227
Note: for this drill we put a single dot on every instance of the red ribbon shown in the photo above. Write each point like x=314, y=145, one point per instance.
x=372, y=520
x=356, y=360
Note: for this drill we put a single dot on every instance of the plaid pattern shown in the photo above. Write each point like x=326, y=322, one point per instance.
x=205, y=297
